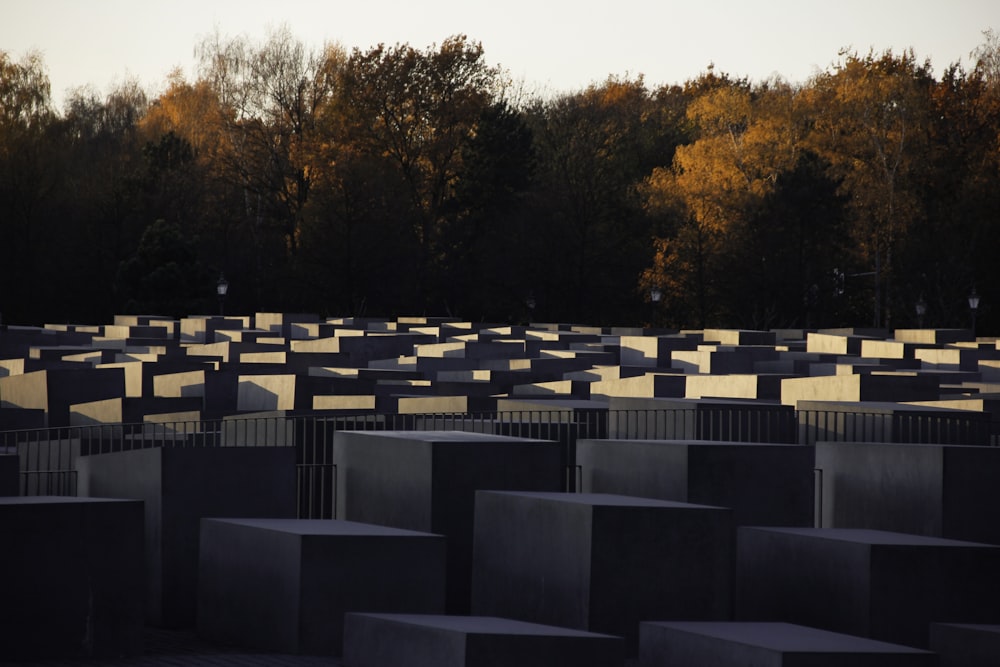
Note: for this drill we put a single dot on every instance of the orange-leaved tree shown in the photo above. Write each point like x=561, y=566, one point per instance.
x=870, y=121
x=746, y=137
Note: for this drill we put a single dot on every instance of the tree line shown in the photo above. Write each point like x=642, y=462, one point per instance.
x=393, y=180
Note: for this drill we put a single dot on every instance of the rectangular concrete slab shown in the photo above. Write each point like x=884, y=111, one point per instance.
x=768, y=645
x=936, y=490
x=870, y=583
x=180, y=486
x=600, y=562
x=72, y=577
x=10, y=473
x=764, y=484
x=966, y=645
x=427, y=481
x=285, y=584
x=406, y=640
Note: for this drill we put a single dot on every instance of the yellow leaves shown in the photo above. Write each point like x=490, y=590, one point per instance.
x=669, y=271
x=190, y=111
x=723, y=111
x=718, y=184
x=746, y=142
x=735, y=163
x=867, y=106
x=617, y=93
x=658, y=192
x=869, y=113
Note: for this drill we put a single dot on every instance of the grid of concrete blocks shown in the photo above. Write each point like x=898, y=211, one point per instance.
x=861, y=527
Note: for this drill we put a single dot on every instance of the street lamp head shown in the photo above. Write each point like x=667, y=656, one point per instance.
x=973, y=300
x=222, y=287
x=655, y=294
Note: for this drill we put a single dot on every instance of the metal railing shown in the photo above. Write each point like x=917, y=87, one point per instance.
x=47, y=457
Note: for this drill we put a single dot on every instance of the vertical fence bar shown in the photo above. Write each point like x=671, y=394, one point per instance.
x=334, y=481
x=818, y=497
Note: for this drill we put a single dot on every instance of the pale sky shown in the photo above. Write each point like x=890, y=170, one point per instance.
x=554, y=47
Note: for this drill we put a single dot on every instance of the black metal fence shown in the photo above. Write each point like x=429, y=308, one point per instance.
x=47, y=457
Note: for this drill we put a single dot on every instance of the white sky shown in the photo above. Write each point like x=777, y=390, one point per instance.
x=553, y=46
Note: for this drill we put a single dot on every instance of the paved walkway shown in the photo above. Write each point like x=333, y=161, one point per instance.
x=183, y=649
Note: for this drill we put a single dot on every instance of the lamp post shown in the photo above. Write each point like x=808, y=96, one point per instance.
x=973, y=307
x=221, y=289
x=921, y=307
x=530, y=303
x=655, y=296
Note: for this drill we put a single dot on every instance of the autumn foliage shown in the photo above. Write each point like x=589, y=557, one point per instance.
x=394, y=180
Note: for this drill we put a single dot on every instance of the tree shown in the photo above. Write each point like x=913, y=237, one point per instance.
x=414, y=111
x=192, y=112
x=987, y=59
x=870, y=119
x=715, y=191
x=24, y=91
x=593, y=147
x=165, y=275
x=268, y=100
x=101, y=218
x=950, y=249
x=28, y=176
x=487, y=262
x=357, y=257
x=790, y=252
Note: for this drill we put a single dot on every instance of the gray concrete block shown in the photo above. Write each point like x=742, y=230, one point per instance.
x=936, y=490
x=55, y=390
x=285, y=584
x=10, y=473
x=870, y=583
x=15, y=419
x=180, y=486
x=426, y=481
x=768, y=645
x=966, y=645
x=764, y=485
x=377, y=640
x=600, y=562
x=72, y=577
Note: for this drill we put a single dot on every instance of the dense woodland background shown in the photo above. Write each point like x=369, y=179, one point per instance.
x=398, y=181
